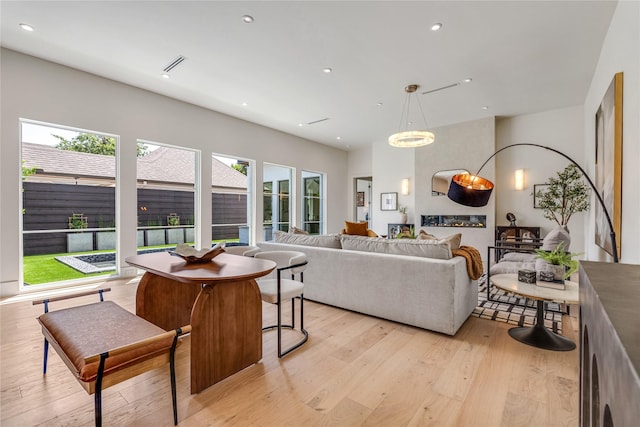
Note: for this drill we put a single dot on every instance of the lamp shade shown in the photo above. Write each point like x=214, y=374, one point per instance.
x=470, y=190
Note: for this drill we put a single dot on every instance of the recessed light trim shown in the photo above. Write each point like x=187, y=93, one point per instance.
x=247, y=19
x=300, y=125
x=436, y=27
x=327, y=70
x=165, y=76
x=27, y=27
x=338, y=138
x=244, y=104
x=467, y=80
x=485, y=107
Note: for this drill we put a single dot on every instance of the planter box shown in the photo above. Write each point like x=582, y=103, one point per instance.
x=190, y=235
x=79, y=242
x=140, y=238
x=155, y=237
x=175, y=235
x=106, y=240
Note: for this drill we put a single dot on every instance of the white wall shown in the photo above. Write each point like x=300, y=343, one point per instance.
x=40, y=90
x=559, y=129
x=390, y=166
x=620, y=52
x=460, y=146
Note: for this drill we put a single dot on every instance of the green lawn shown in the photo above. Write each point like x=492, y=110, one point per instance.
x=39, y=269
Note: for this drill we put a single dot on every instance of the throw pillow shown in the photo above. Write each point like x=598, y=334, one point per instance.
x=555, y=236
x=453, y=240
x=356, y=228
x=423, y=235
x=296, y=230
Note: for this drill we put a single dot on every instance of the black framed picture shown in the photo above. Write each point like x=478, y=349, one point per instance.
x=360, y=198
x=536, y=189
x=388, y=201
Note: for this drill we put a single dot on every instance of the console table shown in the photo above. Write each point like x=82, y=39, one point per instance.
x=609, y=344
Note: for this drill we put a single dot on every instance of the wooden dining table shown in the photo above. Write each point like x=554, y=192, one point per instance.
x=221, y=301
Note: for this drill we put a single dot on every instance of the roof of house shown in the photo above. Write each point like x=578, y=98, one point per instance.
x=163, y=164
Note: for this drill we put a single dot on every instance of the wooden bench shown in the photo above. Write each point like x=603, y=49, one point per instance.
x=103, y=344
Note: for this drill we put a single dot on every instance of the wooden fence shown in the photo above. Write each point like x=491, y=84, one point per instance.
x=49, y=206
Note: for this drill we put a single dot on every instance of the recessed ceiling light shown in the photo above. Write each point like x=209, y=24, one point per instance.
x=338, y=138
x=244, y=104
x=247, y=19
x=300, y=124
x=436, y=26
x=379, y=104
x=165, y=76
x=26, y=27
x=467, y=80
x=327, y=70
x=485, y=107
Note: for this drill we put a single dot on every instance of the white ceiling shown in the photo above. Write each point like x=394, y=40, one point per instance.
x=523, y=56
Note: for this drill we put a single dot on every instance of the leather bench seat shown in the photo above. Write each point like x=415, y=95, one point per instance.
x=79, y=332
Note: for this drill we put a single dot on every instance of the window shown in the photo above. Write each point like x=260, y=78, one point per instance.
x=166, y=196
x=68, y=203
x=312, y=217
x=230, y=200
x=283, y=205
x=277, y=206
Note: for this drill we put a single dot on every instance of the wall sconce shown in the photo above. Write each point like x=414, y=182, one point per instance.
x=518, y=176
x=404, y=187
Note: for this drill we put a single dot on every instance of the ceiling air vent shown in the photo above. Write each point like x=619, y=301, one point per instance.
x=441, y=88
x=173, y=64
x=318, y=121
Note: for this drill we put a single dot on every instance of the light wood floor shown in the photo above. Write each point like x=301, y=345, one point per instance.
x=354, y=370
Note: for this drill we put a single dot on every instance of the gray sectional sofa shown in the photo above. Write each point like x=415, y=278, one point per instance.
x=413, y=282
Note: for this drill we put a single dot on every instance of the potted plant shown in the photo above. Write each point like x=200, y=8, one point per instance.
x=565, y=195
x=78, y=241
x=561, y=262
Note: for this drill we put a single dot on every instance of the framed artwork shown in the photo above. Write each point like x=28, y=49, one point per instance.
x=536, y=188
x=360, y=198
x=388, y=201
x=609, y=164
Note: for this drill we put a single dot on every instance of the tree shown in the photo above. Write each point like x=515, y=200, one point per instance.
x=564, y=196
x=95, y=144
x=240, y=167
x=26, y=172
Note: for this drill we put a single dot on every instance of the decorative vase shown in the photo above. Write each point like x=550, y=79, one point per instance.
x=404, y=218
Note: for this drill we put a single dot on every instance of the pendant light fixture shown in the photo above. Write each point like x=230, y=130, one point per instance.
x=411, y=138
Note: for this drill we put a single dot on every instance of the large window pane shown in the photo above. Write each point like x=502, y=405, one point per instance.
x=277, y=205
x=230, y=200
x=312, y=218
x=68, y=200
x=166, y=197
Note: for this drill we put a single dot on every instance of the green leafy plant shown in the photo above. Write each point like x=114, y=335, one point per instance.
x=173, y=220
x=402, y=209
x=77, y=221
x=564, y=196
x=406, y=234
x=559, y=256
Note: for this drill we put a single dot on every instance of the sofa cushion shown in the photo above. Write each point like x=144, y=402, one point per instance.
x=296, y=230
x=420, y=248
x=324, y=240
x=453, y=240
x=355, y=228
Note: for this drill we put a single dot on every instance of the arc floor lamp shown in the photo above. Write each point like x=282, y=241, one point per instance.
x=473, y=190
